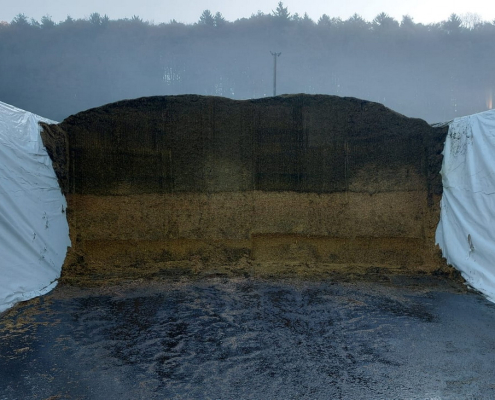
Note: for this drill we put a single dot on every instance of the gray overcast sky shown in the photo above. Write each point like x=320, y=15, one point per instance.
x=188, y=11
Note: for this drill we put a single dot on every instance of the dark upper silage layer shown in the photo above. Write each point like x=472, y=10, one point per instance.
x=190, y=143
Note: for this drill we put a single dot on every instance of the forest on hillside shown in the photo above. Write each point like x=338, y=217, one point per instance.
x=435, y=72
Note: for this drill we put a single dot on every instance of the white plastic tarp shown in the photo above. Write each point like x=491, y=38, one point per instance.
x=34, y=233
x=466, y=232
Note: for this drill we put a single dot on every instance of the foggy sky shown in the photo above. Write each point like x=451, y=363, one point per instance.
x=188, y=11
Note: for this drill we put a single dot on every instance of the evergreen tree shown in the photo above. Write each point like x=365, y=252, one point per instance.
x=47, y=22
x=207, y=18
x=20, y=20
x=281, y=13
x=219, y=20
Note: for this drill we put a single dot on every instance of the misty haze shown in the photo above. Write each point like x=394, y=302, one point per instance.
x=435, y=72
x=297, y=246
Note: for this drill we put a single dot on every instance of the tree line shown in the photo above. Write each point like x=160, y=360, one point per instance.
x=432, y=71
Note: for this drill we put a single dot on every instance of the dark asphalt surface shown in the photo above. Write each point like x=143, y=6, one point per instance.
x=414, y=338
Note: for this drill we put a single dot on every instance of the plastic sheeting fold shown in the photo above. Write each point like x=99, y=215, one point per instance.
x=466, y=231
x=34, y=233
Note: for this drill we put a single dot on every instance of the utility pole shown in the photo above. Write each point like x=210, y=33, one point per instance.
x=275, y=55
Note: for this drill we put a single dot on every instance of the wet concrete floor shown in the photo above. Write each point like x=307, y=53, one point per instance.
x=412, y=338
